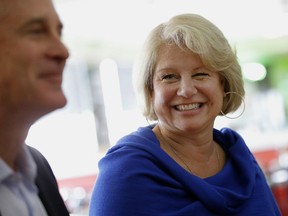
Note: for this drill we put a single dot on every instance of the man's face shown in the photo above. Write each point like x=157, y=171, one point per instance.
x=32, y=57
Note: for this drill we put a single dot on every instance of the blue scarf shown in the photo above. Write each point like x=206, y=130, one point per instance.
x=138, y=178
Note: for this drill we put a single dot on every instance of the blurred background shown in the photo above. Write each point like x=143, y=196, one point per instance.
x=104, y=38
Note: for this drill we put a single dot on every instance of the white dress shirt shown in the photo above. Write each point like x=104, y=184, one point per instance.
x=18, y=192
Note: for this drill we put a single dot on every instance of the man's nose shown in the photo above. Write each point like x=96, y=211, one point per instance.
x=58, y=49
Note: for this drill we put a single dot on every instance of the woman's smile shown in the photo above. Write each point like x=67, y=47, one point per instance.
x=184, y=107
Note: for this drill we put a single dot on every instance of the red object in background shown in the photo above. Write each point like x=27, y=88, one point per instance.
x=86, y=182
x=76, y=193
x=265, y=158
x=280, y=192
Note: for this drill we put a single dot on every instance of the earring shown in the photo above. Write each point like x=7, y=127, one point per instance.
x=243, y=102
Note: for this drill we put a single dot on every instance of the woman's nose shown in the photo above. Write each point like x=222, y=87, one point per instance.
x=187, y=88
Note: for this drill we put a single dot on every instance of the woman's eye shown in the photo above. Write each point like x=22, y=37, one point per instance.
x=200, y=74
x=168, y=76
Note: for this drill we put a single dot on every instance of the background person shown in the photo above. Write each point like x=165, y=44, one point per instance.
x=182, y=165
x=32, y=59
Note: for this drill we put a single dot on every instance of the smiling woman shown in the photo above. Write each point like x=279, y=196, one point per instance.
x=184, y=78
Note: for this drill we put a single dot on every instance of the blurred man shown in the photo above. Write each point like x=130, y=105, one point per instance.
x=32, y=59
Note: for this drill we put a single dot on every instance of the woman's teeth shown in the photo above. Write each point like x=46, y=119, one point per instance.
x=188, y=106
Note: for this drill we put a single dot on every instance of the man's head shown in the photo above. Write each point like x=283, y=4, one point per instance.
x=32, y=58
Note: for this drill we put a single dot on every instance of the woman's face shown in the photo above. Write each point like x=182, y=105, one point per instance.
x=186, y=96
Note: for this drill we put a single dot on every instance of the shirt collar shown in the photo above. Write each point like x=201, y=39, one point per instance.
x=25, y=163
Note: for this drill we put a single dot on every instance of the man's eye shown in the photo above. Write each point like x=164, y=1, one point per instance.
x=37, y=31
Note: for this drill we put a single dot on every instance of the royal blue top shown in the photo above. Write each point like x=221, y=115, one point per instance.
x=137, y=178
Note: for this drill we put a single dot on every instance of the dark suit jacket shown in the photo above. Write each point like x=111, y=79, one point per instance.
x=48, y=187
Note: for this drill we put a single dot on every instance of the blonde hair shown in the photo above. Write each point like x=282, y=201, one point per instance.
x=200, y=36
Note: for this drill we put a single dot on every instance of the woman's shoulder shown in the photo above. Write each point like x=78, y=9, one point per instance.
x=143, y=137
x=228, y=137
x=139, y=152
x=139, y=143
